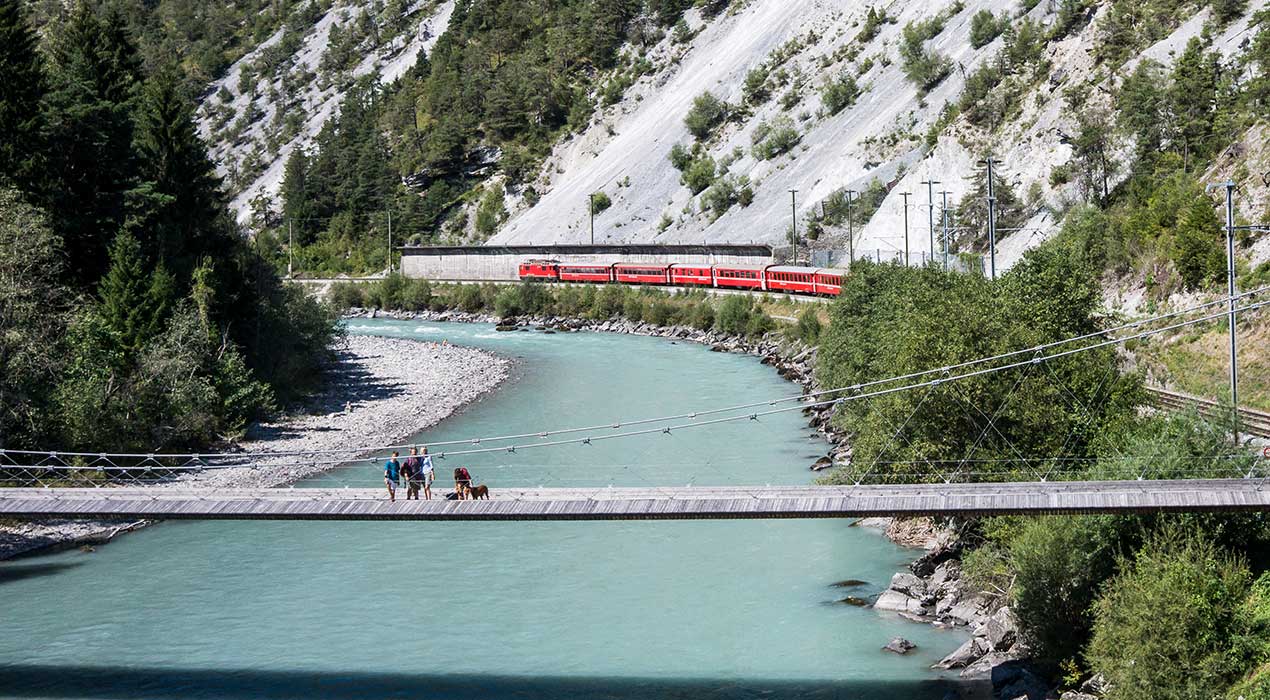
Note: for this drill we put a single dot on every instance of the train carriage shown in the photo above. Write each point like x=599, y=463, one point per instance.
x=632, y=273
x=829, y=281
x=739, y=276
x=691, y=275
x=586, y=273
x=788, y=278
x=542, y=270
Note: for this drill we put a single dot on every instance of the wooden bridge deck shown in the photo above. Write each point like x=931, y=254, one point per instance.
x=670, y=503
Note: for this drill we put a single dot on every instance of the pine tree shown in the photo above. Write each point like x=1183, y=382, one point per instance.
x=89, y=137
x=1192, y=97
x=134, y=301
x=182, y=203
x=1197, y=251
x=297, y=205
x=21, y=90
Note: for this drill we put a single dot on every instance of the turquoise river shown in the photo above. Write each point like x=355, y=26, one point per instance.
x=723, y=609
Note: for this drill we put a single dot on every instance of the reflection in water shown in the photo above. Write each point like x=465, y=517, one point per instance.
x=21, y=572
x=122, y=683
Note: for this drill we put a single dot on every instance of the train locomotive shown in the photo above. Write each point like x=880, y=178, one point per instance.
x=819, y=281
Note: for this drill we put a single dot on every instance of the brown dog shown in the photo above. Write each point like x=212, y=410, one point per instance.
x=478, y=492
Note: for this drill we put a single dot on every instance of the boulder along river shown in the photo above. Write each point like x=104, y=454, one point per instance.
x=489, y=610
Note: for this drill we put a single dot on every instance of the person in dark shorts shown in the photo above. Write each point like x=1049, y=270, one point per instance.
x=462, y=482
x=392, y=476
x=411, y=472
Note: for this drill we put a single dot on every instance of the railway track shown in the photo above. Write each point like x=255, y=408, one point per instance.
x=1252, y=421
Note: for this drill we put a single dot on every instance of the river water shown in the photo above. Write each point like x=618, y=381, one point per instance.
x=722, y=609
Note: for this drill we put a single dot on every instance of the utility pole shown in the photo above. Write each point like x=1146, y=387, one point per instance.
x=992, y=220
x=389, y=242
x=930, y=197
x=290, y=247
x=943, y=212
x=793, y=222
x=592, y=200
x=1230, y=290
x=850, y=228
x=905, y=195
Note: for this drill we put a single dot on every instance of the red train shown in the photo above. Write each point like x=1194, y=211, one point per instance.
x=821, y=281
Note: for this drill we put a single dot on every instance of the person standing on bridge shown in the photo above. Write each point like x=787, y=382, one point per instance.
x=410, y=471
x=427, y=473
x=392, y=476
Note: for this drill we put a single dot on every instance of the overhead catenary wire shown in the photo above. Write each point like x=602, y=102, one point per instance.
x=856, y=395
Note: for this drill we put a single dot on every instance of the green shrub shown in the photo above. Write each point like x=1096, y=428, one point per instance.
x=680, y=157
x=1060, y=174
x=759, y=324
x=923, y=66
x=755, y=90
x=707, y=113
x=609, y=302
x=985, y=26
x=839, y=93
x=343, y=296
x=661, y=313
x=699, y=175
x=468, y=298
x=386, y=293
x=508, y=303
x=725, y=192
x=1164, y=625
x=775, y=138
x=417, y=295
x=1058, y=568
x=633, y=308
x=702, y=316
x=734, y=314
x=600, y=201
x=809, y=325
x=490, y=213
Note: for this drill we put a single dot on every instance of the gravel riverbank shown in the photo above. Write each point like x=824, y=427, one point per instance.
x=379, y=391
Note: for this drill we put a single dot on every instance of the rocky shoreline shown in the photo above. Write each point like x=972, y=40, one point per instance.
x=379, y=391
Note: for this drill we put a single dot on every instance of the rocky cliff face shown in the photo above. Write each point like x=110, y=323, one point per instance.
x=892, y=138
x=278, y=97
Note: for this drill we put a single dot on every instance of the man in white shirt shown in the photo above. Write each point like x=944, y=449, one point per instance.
x=428, y=473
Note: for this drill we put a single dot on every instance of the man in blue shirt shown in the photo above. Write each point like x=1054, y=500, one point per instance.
x=392, y=475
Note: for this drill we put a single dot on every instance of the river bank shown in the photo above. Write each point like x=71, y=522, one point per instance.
x=379, y=391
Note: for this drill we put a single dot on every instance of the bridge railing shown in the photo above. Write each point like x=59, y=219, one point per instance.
x=58, y=470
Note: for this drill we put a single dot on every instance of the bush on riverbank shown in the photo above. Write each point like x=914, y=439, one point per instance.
x=734, y=314
x=1173, y=622
x=1057, y=576
x=892, y=320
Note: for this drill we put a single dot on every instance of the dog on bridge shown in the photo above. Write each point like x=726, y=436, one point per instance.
x=476, y=493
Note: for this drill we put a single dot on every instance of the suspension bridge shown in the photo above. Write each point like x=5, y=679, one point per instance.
x=682, y=503
x=72, y=485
